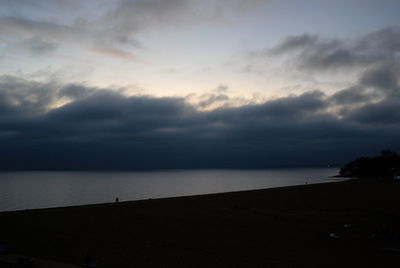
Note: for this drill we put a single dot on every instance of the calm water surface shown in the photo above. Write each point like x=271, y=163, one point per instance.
x=26, y=190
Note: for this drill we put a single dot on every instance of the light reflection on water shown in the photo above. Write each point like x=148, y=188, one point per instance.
x=40, y=189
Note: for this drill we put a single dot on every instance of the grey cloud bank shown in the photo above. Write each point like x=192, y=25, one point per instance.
x=103, y=129
x=61, y=125
x=109, y=28
x=314, y=52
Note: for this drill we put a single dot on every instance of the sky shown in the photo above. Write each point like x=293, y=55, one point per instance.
x=127, y=84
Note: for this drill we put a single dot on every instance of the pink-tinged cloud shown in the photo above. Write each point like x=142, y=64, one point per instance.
x=113, y=53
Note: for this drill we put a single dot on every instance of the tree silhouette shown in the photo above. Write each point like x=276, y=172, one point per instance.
x=384, y=166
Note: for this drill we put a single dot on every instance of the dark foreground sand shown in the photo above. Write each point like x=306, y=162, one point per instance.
x=282, y=227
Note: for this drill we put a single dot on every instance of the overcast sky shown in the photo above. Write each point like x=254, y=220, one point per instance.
x=187, y=83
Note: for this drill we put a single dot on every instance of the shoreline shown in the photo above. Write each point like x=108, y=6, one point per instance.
x=294, y=226
x=332, y=179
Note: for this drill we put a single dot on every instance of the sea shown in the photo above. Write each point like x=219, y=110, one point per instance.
x=44, y=189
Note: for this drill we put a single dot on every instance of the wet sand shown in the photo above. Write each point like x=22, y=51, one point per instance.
x=338, y=224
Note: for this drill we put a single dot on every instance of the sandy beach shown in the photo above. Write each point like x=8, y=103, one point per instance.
x=340, y=224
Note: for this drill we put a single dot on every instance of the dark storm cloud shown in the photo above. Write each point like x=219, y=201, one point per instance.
x=373, y=98
x=381, y=94
x=24, y=97
x=102, y=129
x=352, y=95
x=376, y=84
x=383, y=77
x=382, y=113
x=317, y=53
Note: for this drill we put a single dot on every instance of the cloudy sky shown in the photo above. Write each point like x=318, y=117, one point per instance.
x=192, y=84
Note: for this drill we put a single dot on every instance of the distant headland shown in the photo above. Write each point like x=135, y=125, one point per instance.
x=386, y=166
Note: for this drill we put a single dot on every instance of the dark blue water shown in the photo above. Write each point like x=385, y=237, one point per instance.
x=26, y=190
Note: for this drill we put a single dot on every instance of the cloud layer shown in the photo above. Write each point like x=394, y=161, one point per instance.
x=106, y=27
x=52, y=126
x=314, y=52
